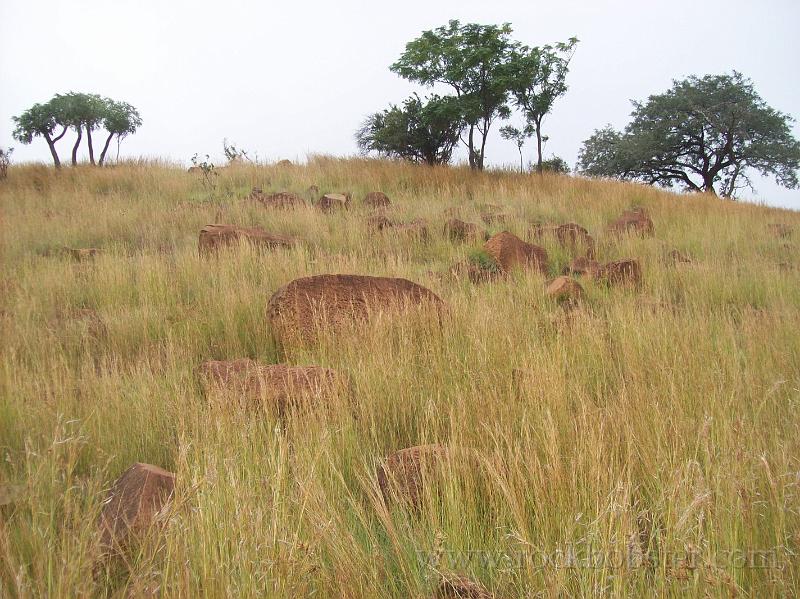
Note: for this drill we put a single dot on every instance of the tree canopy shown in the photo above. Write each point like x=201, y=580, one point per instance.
x=84, y=113
x=419, y=131
x=704, y=134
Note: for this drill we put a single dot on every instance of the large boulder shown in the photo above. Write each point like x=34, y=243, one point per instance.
x=377, y=199
x=133, y=502
x=635, y=221
x=284, y=200
x=213, y=237
x=458, y=230
x=278, y=387
x=298, y=309
x=509, y=252
x=333, y=201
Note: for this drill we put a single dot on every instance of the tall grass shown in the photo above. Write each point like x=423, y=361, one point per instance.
x=657, y=427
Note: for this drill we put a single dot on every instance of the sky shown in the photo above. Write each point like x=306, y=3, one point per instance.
x=289, y=79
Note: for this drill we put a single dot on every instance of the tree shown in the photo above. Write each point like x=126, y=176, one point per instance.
x=473, y=60
x=556, y=164
x=518, y=136
x=41, y=120
x=82, y=112
x=701, y=132
x=420, y=131
x=5, y=161
x=539, y=79
x=120, y=119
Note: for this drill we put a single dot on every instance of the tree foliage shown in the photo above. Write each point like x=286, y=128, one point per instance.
x=83, y=113
x=700, y=133
x=473, y=60
x=419, y=131
x=539, y=78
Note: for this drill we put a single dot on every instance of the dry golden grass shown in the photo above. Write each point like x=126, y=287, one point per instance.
x=655, y=427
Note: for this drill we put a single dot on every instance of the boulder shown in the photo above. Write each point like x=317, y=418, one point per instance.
x=635, y=221
x=213, y=237
x=627, y=271
x=565, y=290
x=582, y=266
x=402, y=474
x=509, y=252
x=280, y=387
x=282, y=200
x=458, y=230
x=780, y=230
x=296, y=310
x=133, y=502
x=333, y=201
x=377, y=199
x=461, y=587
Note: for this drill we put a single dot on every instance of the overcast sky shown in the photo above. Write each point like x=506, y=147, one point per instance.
x=285, y=79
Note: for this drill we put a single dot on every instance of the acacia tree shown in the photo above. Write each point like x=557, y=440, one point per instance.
x=701, y=132
x=41, y=120
x=518, y=136
x=420, y=131
x=473, y=60
x=120, y=119
x=539, y=79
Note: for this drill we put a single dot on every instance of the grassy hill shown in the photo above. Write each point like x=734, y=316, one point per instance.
x=656, y=427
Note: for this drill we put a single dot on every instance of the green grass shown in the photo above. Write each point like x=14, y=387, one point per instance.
x=659, y=422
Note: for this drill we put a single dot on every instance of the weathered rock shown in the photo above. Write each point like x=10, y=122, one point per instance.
x=780, y=230
x=402, y=474
x=133, y=502
x=296, y=310
x=213, y=237
x=582, y=266
x=509, y=251
x=626, y=271
x=278, y=386
x=377, y=199
x=333, y=201
x=461, y=587
x=282, y=200
x=635, y=221
x=565, y=290
x=458, y=230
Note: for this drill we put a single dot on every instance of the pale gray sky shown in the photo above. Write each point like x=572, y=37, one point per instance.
x=285, y=79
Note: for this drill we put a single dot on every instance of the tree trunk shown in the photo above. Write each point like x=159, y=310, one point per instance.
x=52, y=144
x=105, y=149
x=89, y=141
x=538, y=147
x=471, y=147
x=483, y=146
x=75, y=147
x=708, y=184
x=521, y=168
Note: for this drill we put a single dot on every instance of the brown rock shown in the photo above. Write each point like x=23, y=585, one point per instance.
x=634, y=221
x=377, y=199
x=582, y=266
x=333, y=201
x=132, y=504
x=565, y=290
x=278, y=386
x=509, y=251
x=461, y=587
x=296, y=310
x=458, y=230
x=213, y=237
x=402, y=474
x=282, y=200
x=625, y=271
x=780, y=230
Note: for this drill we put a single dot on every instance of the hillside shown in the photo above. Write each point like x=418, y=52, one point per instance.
x=655, y=425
